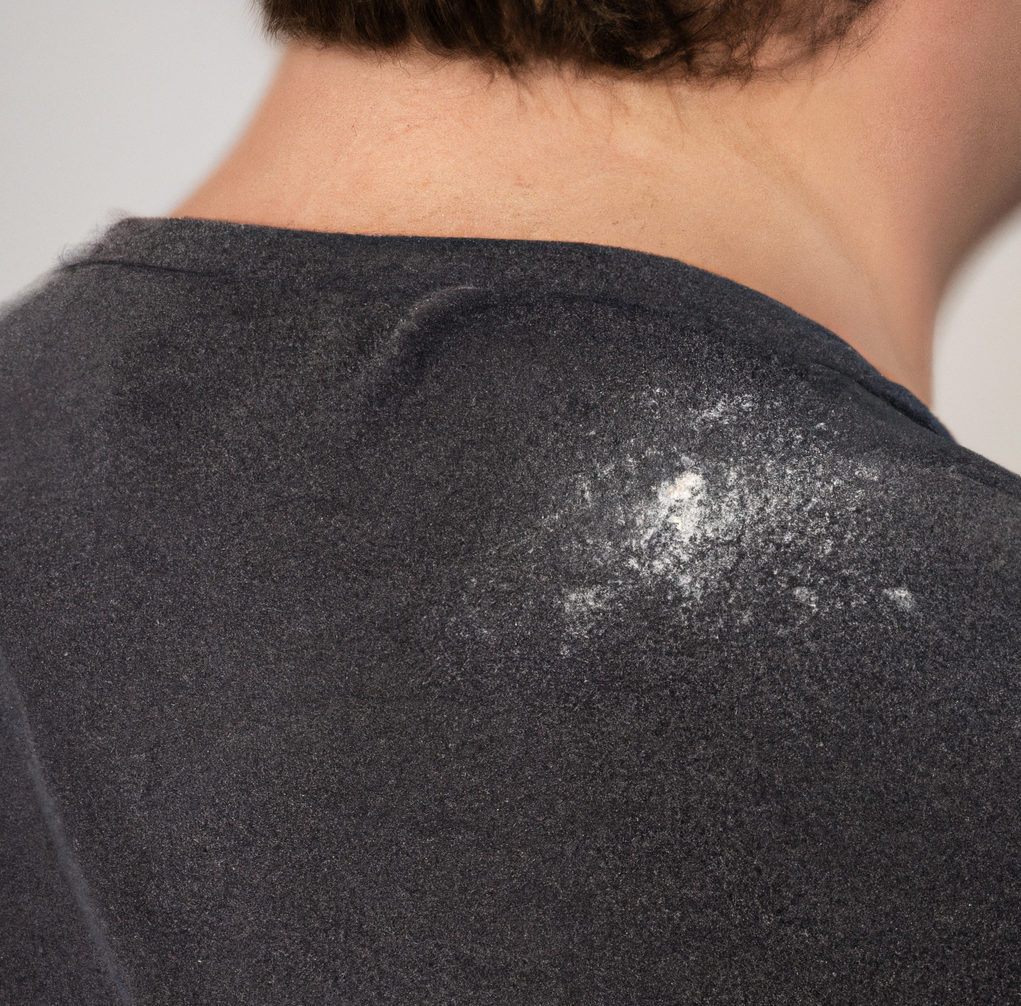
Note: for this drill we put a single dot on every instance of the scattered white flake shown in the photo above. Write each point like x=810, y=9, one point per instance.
x=902, y=597
x=725, y=411
x=579, y=602
x=759, y=508
x=583, y=606
x=682, y=500
x=807, y=597
x=682, y=489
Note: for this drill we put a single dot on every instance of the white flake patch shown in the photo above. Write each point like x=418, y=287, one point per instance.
x=807, y=597
x=582, y=608
x=901, y=597
x=773, y=511
x=677, y=505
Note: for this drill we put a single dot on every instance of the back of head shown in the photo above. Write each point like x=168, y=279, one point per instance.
x=696, y=38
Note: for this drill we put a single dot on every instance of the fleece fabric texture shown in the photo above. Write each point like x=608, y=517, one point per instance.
x=423, y=621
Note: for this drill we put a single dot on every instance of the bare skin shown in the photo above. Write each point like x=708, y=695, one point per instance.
x=849, y=190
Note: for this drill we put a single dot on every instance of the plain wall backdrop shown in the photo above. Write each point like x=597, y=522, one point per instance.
x=121, y=106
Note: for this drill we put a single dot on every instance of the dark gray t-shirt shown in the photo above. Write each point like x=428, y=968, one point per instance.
x=428, y=621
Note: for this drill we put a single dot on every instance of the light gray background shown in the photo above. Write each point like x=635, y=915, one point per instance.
x=121, y=106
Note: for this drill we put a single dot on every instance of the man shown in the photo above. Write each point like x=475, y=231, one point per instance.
x=489, y=546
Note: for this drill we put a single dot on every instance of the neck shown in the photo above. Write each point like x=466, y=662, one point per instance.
x=806, y=190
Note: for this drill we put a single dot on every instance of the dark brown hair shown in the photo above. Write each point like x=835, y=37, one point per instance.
x=699, y=38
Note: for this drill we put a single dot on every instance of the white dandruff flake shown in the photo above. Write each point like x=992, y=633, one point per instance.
x=682, y=489
x=680, y=503
x=759, y=514
x=807, y=597
x=902, y=597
